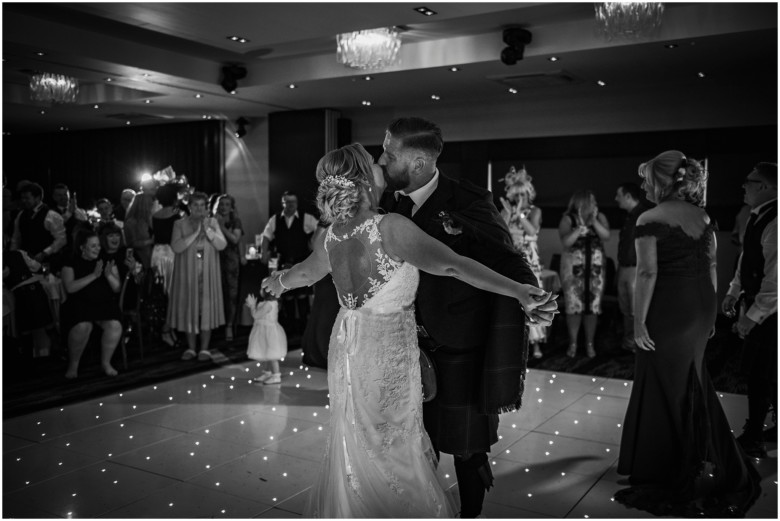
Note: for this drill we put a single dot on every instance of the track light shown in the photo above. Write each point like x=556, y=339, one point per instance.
x=230, y=76
x=241, y=124
x=516, y=38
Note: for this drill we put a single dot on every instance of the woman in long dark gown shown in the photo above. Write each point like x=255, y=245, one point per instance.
x=677, y=445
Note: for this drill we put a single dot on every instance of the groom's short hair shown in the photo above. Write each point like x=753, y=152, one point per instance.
x=418, y=133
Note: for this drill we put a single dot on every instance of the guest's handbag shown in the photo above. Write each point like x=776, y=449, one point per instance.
x=428, y=375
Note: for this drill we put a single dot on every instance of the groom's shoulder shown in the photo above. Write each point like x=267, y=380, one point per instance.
x=466, y=191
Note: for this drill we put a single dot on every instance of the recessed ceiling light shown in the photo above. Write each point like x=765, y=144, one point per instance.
x=232, y=91
x=553, y=58
x=512, y=90
x=367, y=103
x=40, y=53
x=96, y=107
x=127, y=122
x=368, y=78
x=198, y=96
x=146, y=75
x=600, y=83
x=109, y=79
x=43, y=112
x=454, y=69
x=147, y=101
x=424, y=10
x=292, y=85
x=701, y=75
x=671, y=45
x=435, y=97
x=239, y=39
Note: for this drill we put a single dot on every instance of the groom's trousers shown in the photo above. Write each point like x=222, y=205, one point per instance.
x=474, y=479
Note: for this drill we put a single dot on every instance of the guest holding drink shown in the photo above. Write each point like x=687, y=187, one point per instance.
x=196, y=306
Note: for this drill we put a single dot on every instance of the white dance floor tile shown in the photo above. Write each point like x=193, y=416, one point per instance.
x=216, y=444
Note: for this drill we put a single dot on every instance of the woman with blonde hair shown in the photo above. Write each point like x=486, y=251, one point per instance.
x=524, y=221
x=195, y=304
x=677, y=444
x=379, y=461
x=583, y=230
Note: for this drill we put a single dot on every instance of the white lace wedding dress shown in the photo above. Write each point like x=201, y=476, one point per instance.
x=379, y=461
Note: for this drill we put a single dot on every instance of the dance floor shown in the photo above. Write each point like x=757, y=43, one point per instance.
x=215, y=444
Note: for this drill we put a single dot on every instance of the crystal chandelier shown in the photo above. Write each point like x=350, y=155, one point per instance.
x=56, y=88
x=628, y=19
x=369, y=49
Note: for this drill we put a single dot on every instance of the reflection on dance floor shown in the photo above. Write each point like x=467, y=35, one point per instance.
x=215, y=444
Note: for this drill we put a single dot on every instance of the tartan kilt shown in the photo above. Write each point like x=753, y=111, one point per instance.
x=452, y=419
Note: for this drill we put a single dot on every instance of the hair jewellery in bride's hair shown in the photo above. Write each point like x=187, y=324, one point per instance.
x=338, y=180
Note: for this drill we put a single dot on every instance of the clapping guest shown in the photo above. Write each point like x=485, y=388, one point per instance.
x=196, y=305
x=524, y=221
x=583, y=230
x=92, y=286
x=120, y=210
x=230, y=258
x=112, y=250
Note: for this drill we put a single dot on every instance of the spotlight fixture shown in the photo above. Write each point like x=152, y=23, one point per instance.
x=292, y=86
x=454, y=69
x=516, y=38
x=239, y=39
x=367, y=103
x=671, y=45
x=241, y=124
x=230, y=76
x=553, y=58
x=198, y=96
x=424, y=10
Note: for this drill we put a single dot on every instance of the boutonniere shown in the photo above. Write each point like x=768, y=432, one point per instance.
x=449, y=225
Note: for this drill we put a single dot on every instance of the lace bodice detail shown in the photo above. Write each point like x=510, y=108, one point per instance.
x=677, y=253
x=363, y=273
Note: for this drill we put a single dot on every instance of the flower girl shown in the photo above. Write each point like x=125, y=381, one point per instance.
x=267, y=340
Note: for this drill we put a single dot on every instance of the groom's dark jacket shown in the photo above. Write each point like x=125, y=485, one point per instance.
x=482, y=356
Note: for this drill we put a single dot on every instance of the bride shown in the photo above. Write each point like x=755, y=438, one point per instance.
x=378, y=460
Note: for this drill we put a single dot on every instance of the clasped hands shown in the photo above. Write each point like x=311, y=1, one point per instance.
x=108, y=269
x=272, y=284
x=540, y=306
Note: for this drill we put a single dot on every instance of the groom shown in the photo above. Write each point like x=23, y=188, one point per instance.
x=477, y=339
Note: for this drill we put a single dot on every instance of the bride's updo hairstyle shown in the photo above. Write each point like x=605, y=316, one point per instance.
x=344, y=175
x=671, y=175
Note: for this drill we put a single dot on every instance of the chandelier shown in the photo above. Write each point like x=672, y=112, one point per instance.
x=628, y=19
x=369, y=49
x=56, y=88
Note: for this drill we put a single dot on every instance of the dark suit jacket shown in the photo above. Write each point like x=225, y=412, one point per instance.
x=466, y=321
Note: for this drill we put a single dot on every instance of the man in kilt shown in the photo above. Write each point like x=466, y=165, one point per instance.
x=477, y=339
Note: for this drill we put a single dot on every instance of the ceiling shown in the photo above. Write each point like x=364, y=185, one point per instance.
x=159, y=56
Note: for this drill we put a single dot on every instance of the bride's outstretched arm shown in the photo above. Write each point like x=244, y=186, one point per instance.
x=302, y=274
x=402, y=238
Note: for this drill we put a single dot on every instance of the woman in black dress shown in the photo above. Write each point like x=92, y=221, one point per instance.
x=91, y=285
x=225, y=213
x=677, y=445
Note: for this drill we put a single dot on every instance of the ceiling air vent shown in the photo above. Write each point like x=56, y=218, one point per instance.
x=535, y=80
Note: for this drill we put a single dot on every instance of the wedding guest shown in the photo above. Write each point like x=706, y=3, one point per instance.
x=583, y=230
x=196, y=305
x=628, y=198
x=138, y=227
x=125, y=198
x=162, y=260
x=524, y=221
x=677, y=446
x=112, y=250
x=66, y=205
x=38, y=230
x=92, y=286
x=230, y=258
x=755, y=284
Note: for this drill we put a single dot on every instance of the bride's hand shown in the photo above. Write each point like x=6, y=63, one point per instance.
x=642, y=337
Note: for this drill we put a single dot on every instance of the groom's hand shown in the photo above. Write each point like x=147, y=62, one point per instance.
x=543, y=315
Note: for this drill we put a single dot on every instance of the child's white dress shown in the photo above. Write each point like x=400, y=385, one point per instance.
x=267, y=340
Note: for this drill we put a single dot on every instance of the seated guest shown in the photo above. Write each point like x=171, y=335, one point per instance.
x=195, y=305
x=32, y=315
x=112, y=249
x=92, y=285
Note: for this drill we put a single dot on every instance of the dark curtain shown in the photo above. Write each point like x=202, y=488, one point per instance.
x=101, y=163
